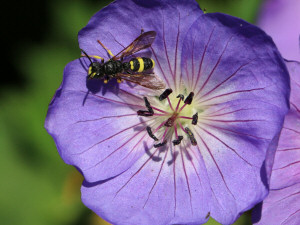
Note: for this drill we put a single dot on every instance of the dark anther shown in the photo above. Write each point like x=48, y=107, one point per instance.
x=177, y=141
x=151, y=134
x=147, y=103
x=195, y=119
x=191, y=136
x=150, y=111
x=144, y=113
x=180, y=96
x=165, y=94
x=160, y=144
x=189, y=98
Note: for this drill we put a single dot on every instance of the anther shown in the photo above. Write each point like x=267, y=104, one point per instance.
x=144, y=113
x=195, y=119
x=177, y=141
x=165, y=94
x=181, y=96
x=150, y=111
x=191, y=136
x=147, y=103
x=151, y=134
x=160, y=144
x=189, y=98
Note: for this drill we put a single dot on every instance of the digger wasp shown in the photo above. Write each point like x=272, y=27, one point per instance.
x=137, y=70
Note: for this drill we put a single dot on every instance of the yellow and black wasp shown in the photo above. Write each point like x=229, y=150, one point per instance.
x=137, y=70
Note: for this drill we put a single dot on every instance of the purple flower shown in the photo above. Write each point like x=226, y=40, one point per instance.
x=282, y=206
x=281, y=20
x=204, y=146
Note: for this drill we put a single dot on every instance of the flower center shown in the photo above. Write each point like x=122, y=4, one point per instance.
x=171, y=120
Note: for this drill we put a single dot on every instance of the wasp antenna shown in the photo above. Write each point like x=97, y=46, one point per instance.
x=87, y=55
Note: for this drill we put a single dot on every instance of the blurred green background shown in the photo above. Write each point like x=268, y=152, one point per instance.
x=39, y=39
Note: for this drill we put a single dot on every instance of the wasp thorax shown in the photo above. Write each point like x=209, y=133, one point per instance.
x=171, y=121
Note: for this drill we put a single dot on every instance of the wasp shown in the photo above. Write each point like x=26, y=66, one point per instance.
x=137, y=70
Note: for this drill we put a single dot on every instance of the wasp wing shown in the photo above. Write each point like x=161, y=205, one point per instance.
x=143, y=41
x=148, y=80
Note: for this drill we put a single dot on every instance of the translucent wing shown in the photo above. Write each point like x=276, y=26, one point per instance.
x=143, y=41
x=150, y=81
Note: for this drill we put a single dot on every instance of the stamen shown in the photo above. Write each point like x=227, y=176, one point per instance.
x=144, y=113
x=191, y=136
x=159, y=110
x=158, y=127
x=151, y=134
x=195, y=119
x=160, y=144
x=175, y=130
x=147, y=103
x=181, y=127
x=165, y=94
x=150, y=111
x=189, y=98
x=181, y=97
x=164, y=135
x=187, y=101
x=185, y=117
x=170, y=104
x=177, y=141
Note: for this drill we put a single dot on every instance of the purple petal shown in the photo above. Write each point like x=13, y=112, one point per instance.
x=281, y=20
x=242, y=86
x=286, y=168
x=118, y=24
x=282, y=204
x=280, y=207
x=294, y=69
x=165, y=188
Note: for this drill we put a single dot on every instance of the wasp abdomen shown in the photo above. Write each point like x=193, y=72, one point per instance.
x=139, y=64
x=148, y=63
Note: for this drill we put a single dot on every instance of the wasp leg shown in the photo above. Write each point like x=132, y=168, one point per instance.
x=108, y=51
x=106, y=79
x=93, y=56
x=119, y=80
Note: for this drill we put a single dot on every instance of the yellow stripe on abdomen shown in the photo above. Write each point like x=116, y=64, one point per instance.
x=131, y=65
x=141, y=62
x=153, y=63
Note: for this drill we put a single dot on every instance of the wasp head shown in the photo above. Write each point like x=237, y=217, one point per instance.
x=95, y=70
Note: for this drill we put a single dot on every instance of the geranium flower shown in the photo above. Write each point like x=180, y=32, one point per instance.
x=282, y=206
x=204, y=146
x=281, y=20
